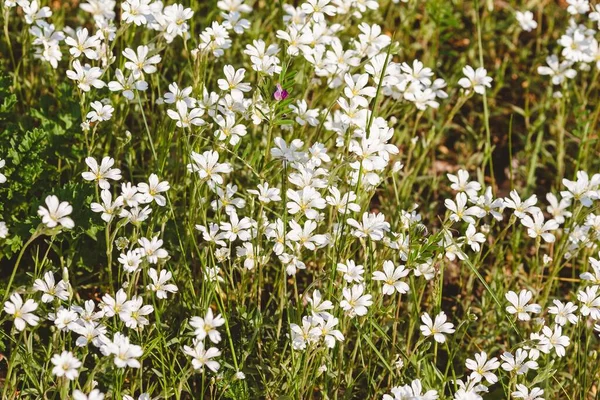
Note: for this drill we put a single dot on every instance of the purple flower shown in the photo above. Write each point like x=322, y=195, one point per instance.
x=280, y=93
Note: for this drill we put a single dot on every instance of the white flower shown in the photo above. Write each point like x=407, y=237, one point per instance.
x=355, y=303
x=234, y=5
x=287, y=153
x=86, y=76
x=373, y=226
x=292, y=263
x=139, y=62
x=438, y=328
x=306, y=201
x=151, y=249
x=133, y=313
x=65, y=364
x=240, y=375
x=594, y=276
x=578, y=6
x=564, y=312
x=143, y=396
x=102, y=10
x=211, y=234
x=89, y=313
x=308, y=333
x=22, y=313
x=111, y=306
x=159, y=283
x=101, y=112
x=228, y=130
x=557, y=209
x=186, y=117
x=553, y=339
x=318, y=305
x=523, y=392
x=50, y=289
x=176, y=95
x=390, y=277
x=33, y=12
x=522, y=208
x=208, y=167
x=304, y=235
x=470, y=390
x=352, y=272
x=57, y=213
x=474, y=238
x=356, y=87
x=559, y=71
x=126, y=354
x=475, y=79
x=233, y=81
x=491, y=206
x=426, y=269
x=237, y=228
x=215, y=39
x=583, y=189
x=207, y=326
x=304, y=115
x=519, y=304
x=590, y=302
x=130, y=194
x=101, y=173
x=594, y=15
x=227, y=199
x=176, y=16
x=135, y=11
x=235, y=22
x=422, y=98
x=325, y=323
x=152, y=189
x=64, y=318
x=317, y=9
x=343, y=204
x=460, y=211
x=93, y=395
x=127, y=85
x=526, y=20
x=2, y=176
x=517, y=363
x=83, y=43
x=136, y=214
x=412, y=391
x=536, y=227
x=89, y=331
x=461, y=183
x=202, y=357
x=483, y=368
x=3, y=230
x=108, y=207
x=265, y=193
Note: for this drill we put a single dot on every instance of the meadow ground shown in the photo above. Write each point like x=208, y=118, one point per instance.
x=330, y=199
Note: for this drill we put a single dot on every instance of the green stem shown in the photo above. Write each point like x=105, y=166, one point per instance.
x=147, y=128
x=16, y=267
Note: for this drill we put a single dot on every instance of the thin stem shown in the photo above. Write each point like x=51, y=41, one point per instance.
x=147, y=128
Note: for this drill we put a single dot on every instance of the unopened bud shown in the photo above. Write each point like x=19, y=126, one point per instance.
x=122, y=243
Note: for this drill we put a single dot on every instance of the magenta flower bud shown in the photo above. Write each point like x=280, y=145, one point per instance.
x=280, y=93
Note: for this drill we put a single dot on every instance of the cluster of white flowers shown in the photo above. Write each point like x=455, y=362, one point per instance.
x=310, y=210
x=469, y=207
x=205, y=328
x=90, y=321
x=579, y=44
